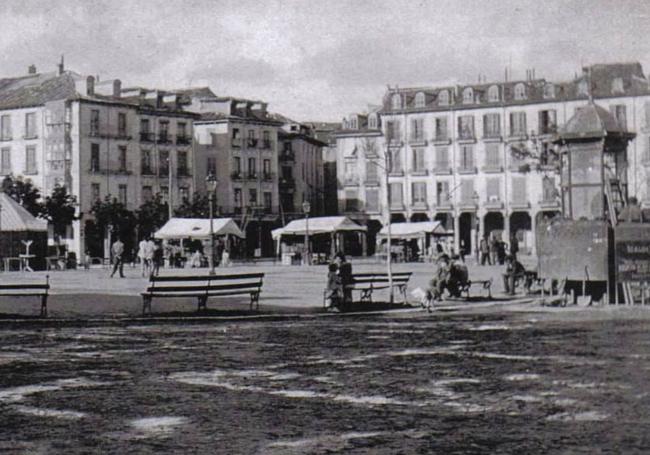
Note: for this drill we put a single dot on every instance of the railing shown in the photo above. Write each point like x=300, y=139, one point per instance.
x=443, y=137
x=287, y=182
x=351, y=180
x=236, y=142
x=184, y=172
x=147, y=170
x=266, y=144
x=235, y=175
x=287, y=156
x=146, y=137
x=163, y=139
x=251, y=142
x=267, y=176
x=183, y=140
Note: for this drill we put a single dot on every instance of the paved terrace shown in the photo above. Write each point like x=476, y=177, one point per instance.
x=287, y=289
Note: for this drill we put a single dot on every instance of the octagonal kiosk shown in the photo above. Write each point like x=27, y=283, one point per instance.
x=576, y=250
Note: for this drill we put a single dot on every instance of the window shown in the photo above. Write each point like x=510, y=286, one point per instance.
x=236, y=165
x=618, y=111
x=163, y=131
x=393, y=131
x=442, y=194
x=184, y=193
x=395, y=161
x=237, y=199
x=372, y=200
x=520, y=91
x=549, y=91
x=121, y=192
x=519, y=196
x=442, y=159
x=372, y=172
x=147, y=193
x=268, y=200
x=211, y=166
x=94, y=192
x=492, y=156
x=287, y=173
x=443, y=98
x=5, y=164
x=121, y=124
x=145, y=129
x=163, y=162
x=491, y=125
x=467, y=192
x=583, y=88
x=30, y=160
x=617, y=86
x=235, y=133
x=372, y=122
x=30, y=125
x=466, y=127
x=493, y=94
x=351, y=200
x=266, y=168
x=146, y=169
x=417, y=131
x=549, y=192
x=354, y=124
x=252, y=196
x=419, y=193
x=547, y=121
x=350, y=171
x=418, y=160
x=518, y=124
x=396, y=197
x=181, y=130
x=441, y=129
x=396, y=101
x=94, y=122
x=122, y=157
x=466, y=157
x=5, y=127
x=94, y=158
x=266, y=139
x=468, y=95
x=181, y=165
x=252, y=167
x=252, y=139
x=420, y=100
x=493, y=189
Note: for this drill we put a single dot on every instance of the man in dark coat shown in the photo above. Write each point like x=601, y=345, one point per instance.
x=345, y=272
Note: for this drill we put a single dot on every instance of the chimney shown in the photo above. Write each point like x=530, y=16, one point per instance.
x=61, y=66
x=160, y=96
x=117, y=88
x=90, y=86
x=31, y=69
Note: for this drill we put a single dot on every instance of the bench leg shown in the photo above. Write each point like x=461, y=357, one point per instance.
x=146, y=305
x=366, y=295
x=202, y=303
x=255, y=299
x=402, y=290
x=44, y=306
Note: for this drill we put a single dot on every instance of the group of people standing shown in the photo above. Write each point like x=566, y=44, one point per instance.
x=339, y=277
x=150, y=254
x=494, y=251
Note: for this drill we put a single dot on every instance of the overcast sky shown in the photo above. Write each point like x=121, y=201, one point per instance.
x=319, y=59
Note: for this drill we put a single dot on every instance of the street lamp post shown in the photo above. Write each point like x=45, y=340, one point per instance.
x=306, y=207
x=211, y=181
x=476, y=199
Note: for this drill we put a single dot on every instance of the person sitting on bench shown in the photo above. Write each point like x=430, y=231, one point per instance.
x=438, y=283
x=334, y=287
x=514, y=270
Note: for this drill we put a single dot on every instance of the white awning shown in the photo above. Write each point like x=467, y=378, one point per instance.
x=319, y=225
x=14, y=217
x=414, y=230
x=197, y=228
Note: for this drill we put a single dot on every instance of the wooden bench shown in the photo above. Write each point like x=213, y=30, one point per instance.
x=367, y=283
x=465, y=286
x=28, y=290
x=202, y=287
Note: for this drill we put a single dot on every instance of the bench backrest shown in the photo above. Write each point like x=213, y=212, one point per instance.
x=398, y=277
x=197, y=284
x=25, y=288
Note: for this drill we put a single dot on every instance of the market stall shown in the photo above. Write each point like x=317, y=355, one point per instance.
x=415, y=240
x=23, y=237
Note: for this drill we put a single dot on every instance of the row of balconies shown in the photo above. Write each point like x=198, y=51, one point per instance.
x=470, y=136
x=252, y=142
x=238, y=175
x=144, y=170
x=469, y=206
x=165, y=138
x=25, y=137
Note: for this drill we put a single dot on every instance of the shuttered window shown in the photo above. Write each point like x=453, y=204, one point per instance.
x=419, y=193
x=372, y=200
x=442, y=158
x=519, y=195
x=467, y=191
x=396, y=195
x=492, y=155
x=493, y=189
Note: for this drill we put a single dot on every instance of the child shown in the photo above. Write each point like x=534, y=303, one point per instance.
x=333, y=286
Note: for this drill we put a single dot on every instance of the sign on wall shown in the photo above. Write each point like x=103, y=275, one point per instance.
x=632, y=246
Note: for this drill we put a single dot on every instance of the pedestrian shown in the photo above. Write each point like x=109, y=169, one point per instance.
x=157, y=258
x=514, y=246
x=494, y=249
x=501, y=251
x=225, y=258
x=142, y=246
x=514, y=270
x=150, y=247
x=345, y=273
x=334, y=287
x=484, y=248
x=117, y=249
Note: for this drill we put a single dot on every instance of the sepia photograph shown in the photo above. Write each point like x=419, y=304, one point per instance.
x=309, y=227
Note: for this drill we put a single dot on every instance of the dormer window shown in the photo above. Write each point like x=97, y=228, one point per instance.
x=372, y=122
x=617, y=86
x=354, y=124
x=396, y=101
x=583, y=88
x=443, y=98
x=520, y=91
x=549, y=91
x=468, y=95
x=419, y=99
x=493, y=94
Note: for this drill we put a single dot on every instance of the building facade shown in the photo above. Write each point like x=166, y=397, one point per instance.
x=480, y=157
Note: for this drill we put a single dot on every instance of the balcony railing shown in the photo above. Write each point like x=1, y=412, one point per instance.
x=184, y=172
x=419, y=171
x=467, y=169
x=146, y=137
x=163, y=139
x=235, y=175
x=287, y=156
x=183, y=140
x=441, y=137
x=351, y=180
x=287, y=182
x=268, y=176
x=266, y=144
x=147, y=170
x=251, y=142
x=236, y=142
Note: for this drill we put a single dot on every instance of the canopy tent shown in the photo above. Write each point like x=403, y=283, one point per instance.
x=15, y=218
x=413, y=230
x=319, y=225
x=197, y=228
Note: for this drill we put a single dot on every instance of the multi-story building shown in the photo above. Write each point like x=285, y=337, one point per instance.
x=62, y=128
x=301, y=177
x=479, y=157
x=324, y=132
x=237, y=141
